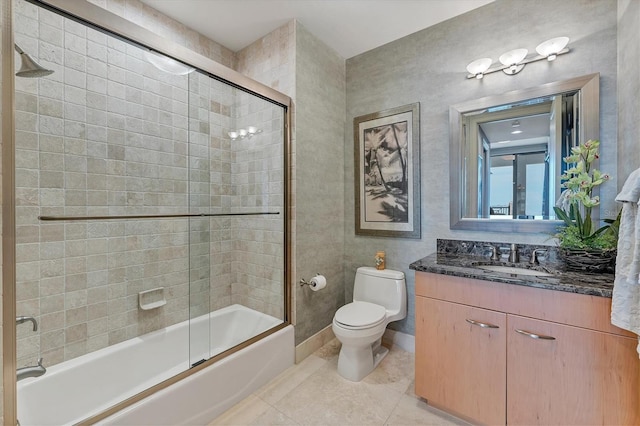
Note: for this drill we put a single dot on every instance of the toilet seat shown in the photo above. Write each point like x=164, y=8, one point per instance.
x=360, y=315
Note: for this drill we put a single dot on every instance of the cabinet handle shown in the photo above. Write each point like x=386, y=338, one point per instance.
x=481, y=324
x=534, y=335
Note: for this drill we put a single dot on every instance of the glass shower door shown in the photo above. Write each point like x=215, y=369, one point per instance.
x=237, y=262
x=199, y=182
x=150, y=217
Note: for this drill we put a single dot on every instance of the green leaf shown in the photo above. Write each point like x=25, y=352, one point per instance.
x=563, y=216
x=586, y=226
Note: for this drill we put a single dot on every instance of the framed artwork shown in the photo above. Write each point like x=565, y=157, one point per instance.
x=387, y=172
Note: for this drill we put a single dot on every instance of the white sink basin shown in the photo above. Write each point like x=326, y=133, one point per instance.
x=514, y=270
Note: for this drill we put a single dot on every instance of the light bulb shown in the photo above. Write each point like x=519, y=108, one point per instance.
x=513, y=57
x=479, y=66
x=511, y=60
x=242, y=133
x=233, y=135
x=552, y=47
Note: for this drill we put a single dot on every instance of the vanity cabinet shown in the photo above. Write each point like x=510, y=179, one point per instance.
x=461, y=348
x=554, y=359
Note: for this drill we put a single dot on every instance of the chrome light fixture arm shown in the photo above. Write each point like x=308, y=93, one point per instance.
x=513, y=61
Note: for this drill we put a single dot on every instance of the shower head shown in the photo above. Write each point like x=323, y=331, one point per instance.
x=30, y=68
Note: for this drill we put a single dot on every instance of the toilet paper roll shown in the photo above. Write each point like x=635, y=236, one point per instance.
x=318, y=282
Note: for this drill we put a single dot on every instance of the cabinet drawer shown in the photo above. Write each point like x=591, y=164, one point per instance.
x=592, y=312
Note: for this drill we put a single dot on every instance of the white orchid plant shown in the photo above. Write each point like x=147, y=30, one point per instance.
x=577, y=201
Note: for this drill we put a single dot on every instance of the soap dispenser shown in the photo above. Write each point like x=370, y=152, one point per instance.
x=379, y=260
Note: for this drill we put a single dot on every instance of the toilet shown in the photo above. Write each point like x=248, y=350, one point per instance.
x=379, y=297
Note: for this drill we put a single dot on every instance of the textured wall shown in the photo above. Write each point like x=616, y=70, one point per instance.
x=271, y=60
x=320, y=90
x=429, y=67
x=628, y=88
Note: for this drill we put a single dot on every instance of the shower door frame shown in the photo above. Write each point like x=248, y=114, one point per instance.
x=101, y=19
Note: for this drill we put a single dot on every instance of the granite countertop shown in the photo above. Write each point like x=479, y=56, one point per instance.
x=466, y=265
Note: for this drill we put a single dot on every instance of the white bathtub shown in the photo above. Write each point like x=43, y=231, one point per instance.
x=77, y=389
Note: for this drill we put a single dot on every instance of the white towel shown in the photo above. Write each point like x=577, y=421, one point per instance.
x=625, y=305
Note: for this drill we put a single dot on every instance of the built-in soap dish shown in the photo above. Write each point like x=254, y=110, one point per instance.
x=152, y=299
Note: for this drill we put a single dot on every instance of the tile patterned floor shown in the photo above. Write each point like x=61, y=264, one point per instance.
x=312, y=393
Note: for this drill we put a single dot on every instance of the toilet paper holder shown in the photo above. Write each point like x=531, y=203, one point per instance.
x=305, y=282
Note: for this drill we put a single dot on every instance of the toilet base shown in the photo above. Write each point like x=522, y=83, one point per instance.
x=356, y=362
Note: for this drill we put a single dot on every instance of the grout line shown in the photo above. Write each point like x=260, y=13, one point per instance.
x=276, y=408
x=393, y=410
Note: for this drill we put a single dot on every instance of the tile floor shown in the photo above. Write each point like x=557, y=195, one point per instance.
x=312, y=393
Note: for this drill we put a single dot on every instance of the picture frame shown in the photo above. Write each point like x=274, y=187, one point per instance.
x=387, y=173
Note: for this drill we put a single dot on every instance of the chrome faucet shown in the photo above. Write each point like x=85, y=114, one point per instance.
x=20, y=320
x=514, y=255
x=495, y=253
x=534, y=256
x=31, y=371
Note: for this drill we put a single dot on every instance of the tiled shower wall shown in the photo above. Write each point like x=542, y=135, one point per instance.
x=108, y=133
x=149, y=18
x=105, y=134
x=257, y=179
x=271, y=61
x=275, y=63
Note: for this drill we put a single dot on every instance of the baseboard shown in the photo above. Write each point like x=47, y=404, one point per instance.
x=313, y=343
x=404, y=341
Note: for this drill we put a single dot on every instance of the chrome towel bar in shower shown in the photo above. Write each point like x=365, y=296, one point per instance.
x=149, y=216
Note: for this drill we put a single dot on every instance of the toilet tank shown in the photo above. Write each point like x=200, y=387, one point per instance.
x=383, y=287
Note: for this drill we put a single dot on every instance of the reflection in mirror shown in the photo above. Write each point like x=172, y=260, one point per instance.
x=518, y=147
x=509, y=151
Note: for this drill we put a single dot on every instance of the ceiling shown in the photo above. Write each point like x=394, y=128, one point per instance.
x=350, y=27
x=524, y=130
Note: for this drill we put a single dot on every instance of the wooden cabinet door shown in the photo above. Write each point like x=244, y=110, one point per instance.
x=460, y=366
x=570, y=375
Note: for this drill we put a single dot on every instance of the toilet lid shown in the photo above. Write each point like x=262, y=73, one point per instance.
x=360, y=314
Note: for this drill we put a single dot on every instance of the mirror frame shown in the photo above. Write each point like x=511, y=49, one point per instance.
x=589, y=119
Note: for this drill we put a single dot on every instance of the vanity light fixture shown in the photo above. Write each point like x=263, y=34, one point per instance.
x=550, y=49
x=513, y=61
x=243, y=133
x=478, y=67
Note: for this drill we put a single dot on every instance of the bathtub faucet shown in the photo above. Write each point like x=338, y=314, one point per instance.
x=20, y=320
x=31, y=371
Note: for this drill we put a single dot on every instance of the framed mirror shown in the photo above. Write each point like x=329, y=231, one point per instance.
x=506, y=153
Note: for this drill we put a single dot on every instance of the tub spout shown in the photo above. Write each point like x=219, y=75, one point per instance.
x=20, y=320
x=31, y=371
